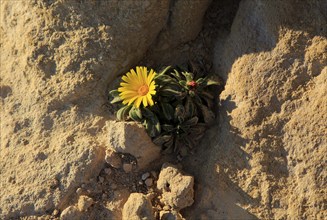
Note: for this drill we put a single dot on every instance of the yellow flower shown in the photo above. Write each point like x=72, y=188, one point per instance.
x=138, y=87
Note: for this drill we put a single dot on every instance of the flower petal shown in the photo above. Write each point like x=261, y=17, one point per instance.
x=149, y=98
x=138, y=101
x=145, y=102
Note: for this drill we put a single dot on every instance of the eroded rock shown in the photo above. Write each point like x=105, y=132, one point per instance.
x=131, y=138
x=177, y=188
x=138, y=207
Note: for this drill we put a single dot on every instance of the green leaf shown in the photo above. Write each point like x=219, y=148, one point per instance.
x=188, y=76
x=123, y=112
x=114, y=93
x=162, y=139
x=115, y=100
x=135, y=114
x=177, y=75
x=167, y=110
x=211, y=82
x=189, y=107
x=162, y=72
x=179, y=113
x=167, y=127
x=153, y=119
x=191, y=122
x=208, y=115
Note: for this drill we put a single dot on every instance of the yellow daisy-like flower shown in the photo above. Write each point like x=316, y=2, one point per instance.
x=138, y=87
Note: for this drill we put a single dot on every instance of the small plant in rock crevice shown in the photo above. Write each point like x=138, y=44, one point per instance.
x=173, y=105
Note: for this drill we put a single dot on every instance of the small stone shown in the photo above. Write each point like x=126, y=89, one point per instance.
x=84, y=202
x=140, y=182
x=108, y=171
x=70, y=213
x=101, y=179
x=55, y=212
x=145, y=175
x=127, y=167
x=170, y=215
x=148, y=182
x=166, y=208
x=154, y=174
x=79, y=191
x=113, y=186
x=113, y=159
x=104, y=196
x=138, y=206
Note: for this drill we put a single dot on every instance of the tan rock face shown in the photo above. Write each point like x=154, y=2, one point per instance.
x=131, y=138
x=177, y=188
x=57, y=58
x=270, y=146
x=137, y=207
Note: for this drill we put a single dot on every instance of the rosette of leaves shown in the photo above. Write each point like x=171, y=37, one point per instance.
x=185, y=108
x=182, y=111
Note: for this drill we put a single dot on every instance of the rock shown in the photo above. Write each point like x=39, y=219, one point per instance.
x=127, y=167
x=177, y=188
x=113, y=159
x=108, y=171
x=55, y=110
x=145, y=175
x=154, y=174
x=170, y=215
x=137, y=207
x=55, y=212
x=148, y=182
x=101, y=179
x=71, y=213
x=84, y=202
x=131, y=138
x=79, y=191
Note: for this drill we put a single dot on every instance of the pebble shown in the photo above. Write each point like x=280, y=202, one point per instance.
x=113, y=159
x=166, y=208
x=55, y=212
x=79, y=191
x=154, y=174
x=101, y=179
x=145, y=175
x=113, y=186
x=127, y=167
x=108, y=171
x=140, y=182
x=149, y=182
x=84, y=202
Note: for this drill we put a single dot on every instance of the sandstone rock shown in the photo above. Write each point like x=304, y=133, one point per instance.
x=57, y=58
x=137, y=207
x=148, y=182
x=177, y=188
x=113, y=159
x=84, y=202
x=127, y=167
x=145, y=175
x=71, y=213
x=170, y=215
x=131, y=137
x=270, y=140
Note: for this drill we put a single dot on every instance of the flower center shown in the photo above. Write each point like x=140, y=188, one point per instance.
x=192, y=83
x=143, y=90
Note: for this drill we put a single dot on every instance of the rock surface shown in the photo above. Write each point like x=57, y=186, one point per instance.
x=267, y=154
x=57, y=58
x=137, y=207
x=177, y=188
x=265, y=159
x=131, y=138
